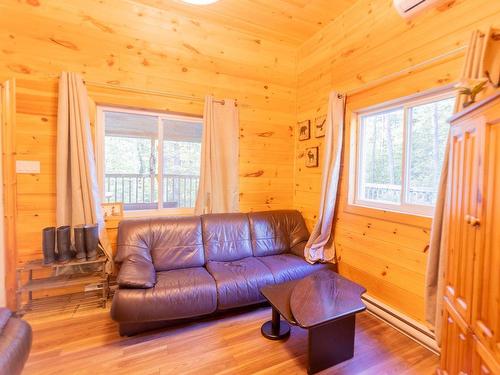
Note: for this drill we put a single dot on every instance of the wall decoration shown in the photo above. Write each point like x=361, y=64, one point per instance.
x=471, y=88
x=112, y=211
x=304, y=129
x=312, y=157
x=320, y=126
x=491, y=61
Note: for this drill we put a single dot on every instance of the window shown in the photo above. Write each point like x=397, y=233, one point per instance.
x=147, y=160
x=400, y=151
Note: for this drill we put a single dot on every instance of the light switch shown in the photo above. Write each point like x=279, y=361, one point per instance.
x=27, y=166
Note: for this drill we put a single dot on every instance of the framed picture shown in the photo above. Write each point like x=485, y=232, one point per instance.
x=312, y=157
x=304, y=129
x=112, y=211
x=320, y=126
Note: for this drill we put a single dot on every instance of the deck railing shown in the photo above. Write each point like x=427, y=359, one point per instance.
x=392, y=193
x=139, y=191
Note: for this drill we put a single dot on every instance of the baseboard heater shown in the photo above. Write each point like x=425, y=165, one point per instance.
x=403, y=323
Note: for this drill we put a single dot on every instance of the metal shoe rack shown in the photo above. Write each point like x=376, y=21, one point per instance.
x=95, y=285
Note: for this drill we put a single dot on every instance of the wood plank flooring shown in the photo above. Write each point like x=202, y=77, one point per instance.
x=87, y=342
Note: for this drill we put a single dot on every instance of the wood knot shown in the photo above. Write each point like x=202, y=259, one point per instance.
x=64, y=43
x=254, y=174
x=265, y=134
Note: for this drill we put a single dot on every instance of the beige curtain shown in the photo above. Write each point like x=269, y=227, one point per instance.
x=320, y=246
x=436, y=257
x=219, y=177
x=78, y=198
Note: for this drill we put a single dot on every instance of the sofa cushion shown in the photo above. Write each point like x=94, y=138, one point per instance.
x=226, y=237
x=134, y=237
x=239, y=282
x=286, y=267
x=177, y=243
x=169, y=242
x=276, y=232
x=136, y=272
x=178, y=294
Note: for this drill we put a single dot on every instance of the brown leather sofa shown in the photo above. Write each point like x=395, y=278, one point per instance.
x=15, y=343
x=173, y=268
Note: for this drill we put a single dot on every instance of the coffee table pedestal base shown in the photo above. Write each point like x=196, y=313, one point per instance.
x=275, y=329
x=331, y=343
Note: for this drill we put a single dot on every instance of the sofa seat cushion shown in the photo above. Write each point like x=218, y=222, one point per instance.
x=286, y=267
x=178, y=294
x=239, y=282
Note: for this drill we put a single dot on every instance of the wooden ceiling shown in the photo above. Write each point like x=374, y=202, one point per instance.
x=291, y=21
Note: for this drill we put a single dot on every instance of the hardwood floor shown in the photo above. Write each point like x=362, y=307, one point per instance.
x=88, y=343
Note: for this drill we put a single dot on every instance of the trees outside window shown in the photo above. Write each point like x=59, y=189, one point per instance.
x=400, y=151
x=149, y=161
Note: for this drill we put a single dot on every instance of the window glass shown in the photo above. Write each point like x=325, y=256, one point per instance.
x=132, y=159
x=428, y=133
x=400, y=154
x=381, y=157
x=131, y=142
x=181, y=167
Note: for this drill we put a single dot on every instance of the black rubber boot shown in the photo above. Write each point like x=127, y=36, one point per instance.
x=64, y=244
x=79, y=232
x=91, y=240
x=49, y=245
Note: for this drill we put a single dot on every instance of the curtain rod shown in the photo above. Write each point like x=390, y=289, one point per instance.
x=405, y=71
x=154, y=92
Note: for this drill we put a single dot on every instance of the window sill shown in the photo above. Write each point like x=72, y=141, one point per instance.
x=159, y=213
x=113, y=223
x=420, y=221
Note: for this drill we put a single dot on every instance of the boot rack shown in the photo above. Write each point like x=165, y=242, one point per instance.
x=95, y=285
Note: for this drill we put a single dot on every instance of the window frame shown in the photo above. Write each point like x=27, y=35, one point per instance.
x=100, y=155
x=405, y=103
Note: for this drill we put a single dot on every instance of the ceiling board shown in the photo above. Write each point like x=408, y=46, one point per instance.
x=292, y=21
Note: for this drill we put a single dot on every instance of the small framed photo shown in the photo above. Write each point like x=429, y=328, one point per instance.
x=112, y=211
x=311, y=157
x=320, y=126
x=304, y=129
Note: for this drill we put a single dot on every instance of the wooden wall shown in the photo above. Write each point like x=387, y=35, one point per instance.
x=383, y=251
x=129, y=45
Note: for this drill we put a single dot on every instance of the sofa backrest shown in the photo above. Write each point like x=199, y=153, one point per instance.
x=226, y=237
x=169, y=242
x=191, y=241
x=276, y=232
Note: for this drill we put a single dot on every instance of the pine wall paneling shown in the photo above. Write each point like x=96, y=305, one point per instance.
x=126, y=44
x=284, y=20
x=8, y=124
x=278, y=83
x=384, y=252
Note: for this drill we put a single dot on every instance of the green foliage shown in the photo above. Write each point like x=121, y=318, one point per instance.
x=383, y=144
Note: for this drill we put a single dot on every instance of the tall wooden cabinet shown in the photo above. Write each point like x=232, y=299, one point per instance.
x=471, y=309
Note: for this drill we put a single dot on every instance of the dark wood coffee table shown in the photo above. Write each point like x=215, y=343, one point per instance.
x=325, y=304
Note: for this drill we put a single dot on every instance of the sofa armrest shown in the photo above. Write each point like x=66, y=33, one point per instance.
x=15, y=343
x=137, y=272
x=298, y=249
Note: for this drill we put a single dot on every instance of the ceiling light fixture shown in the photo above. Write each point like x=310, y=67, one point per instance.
x=200, y=2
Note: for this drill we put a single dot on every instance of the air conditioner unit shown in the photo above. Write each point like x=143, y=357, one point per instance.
x=408, y=8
